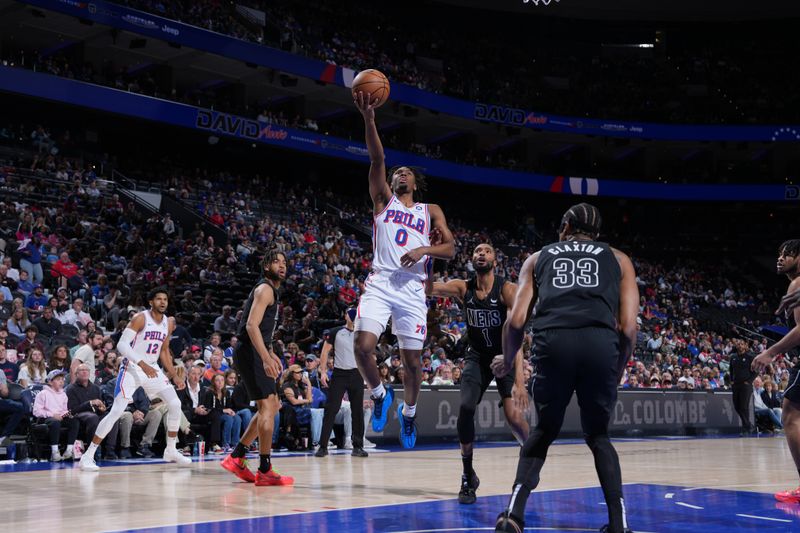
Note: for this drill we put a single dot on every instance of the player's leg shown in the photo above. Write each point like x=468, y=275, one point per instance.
x=596, y=389
x=409, y=324
x=104, y=428
x=791, y=427
x=515, y=417
x=552, y=390
x=473, y=386
x=267, y=475
x=127, y=383
x=170, y=398
x=336, y=392
x=373, y=314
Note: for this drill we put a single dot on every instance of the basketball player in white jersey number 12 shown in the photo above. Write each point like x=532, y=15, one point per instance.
x=143, y=343
x=395, y=289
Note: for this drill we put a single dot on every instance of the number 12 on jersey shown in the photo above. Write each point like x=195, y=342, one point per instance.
x=583, y=272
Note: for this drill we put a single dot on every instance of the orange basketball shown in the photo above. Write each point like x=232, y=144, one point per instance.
x=373, y=83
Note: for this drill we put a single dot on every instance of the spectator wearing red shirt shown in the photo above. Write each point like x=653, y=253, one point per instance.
x=64, y=269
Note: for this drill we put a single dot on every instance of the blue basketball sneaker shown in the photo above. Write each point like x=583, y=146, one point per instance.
x=408, y=428
x=380, y=414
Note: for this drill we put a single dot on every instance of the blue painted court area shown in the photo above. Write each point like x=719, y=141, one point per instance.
x=651, y=508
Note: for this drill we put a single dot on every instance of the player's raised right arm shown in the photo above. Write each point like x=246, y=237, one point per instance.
x=379, y=190
x=514, y=328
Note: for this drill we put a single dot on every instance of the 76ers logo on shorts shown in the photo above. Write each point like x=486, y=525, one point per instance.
x=421, y=329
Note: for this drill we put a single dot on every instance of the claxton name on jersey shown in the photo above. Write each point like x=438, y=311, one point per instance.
x=405, y=219
x=575, y=247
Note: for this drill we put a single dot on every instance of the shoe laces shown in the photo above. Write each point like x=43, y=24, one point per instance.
x=408, y=425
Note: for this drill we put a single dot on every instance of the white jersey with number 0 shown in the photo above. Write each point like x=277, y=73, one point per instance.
x=147, y=343
x=395, y=231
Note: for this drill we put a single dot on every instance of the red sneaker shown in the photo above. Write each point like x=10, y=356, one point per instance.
x=788, y=496
x=238, y=467
x=272, y=478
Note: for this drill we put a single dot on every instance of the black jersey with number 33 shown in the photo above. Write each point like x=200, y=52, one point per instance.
x=577, y=285
x=485, y=318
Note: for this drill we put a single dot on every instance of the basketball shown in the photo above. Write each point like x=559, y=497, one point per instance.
x=374, y=83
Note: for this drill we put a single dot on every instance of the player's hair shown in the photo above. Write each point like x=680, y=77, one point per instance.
x=419, y=179
x=583, y=218
x=790, y=248
x=155, y=292
x=270, y=256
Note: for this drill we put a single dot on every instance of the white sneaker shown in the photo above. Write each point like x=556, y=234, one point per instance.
x=87, y=463
x=174, y=456
x=348, y=444
x=68, y=455
x=369, y=443
x=56, y=457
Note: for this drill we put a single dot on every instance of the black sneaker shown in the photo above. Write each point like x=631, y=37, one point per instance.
x=359, y=452
x=321, y=452
x=110, y=455
x=508, y=523
x=468, y=487
x=607, y=529
x=145, y=451
x=125, y=453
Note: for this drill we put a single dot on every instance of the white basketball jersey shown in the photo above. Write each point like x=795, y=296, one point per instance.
x=147, y=343
x=396, y=230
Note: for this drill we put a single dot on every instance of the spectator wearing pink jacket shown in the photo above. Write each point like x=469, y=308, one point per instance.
x=51, y=405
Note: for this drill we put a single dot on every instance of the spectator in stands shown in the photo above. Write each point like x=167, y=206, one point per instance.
x=36, y=302
x=18, y=322
x=33, y=370
x=11, y=272
x=87, y=355
x=76, y=316
x=187, y=304
x=763, y=412
x=14, y=408
x=443, y=376
x=214, y=368
x=60, y=358
x=24, y=285
x=7, y=282
x=216, y=400
x=297, y=398
x=192, y=406
x=30, y=340
x=86, y=407
x=64, y=270
x=457, y=376
x=232, y=344
x=11, y=370
x=31, y=259
x=208, y=305
x=214, y=342
x=225, y=323
x=139, y=413
x=772, y=399
x=51, y=408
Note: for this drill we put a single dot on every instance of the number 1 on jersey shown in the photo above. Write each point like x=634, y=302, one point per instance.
x=486, y=338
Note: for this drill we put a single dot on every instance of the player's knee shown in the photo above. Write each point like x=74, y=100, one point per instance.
x=596, y=441
x=466, y=411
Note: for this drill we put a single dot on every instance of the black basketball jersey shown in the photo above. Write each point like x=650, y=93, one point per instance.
x=485, y=318
x=268, y=321
x=577, y=285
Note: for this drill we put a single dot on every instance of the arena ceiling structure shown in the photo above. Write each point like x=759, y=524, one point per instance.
x=671, y=10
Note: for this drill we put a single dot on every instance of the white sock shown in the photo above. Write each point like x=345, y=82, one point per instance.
x=91, y=451
x=70, y=447
x=171, y=442
x=379, y=392
x=54, y=448
x=409, y=410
